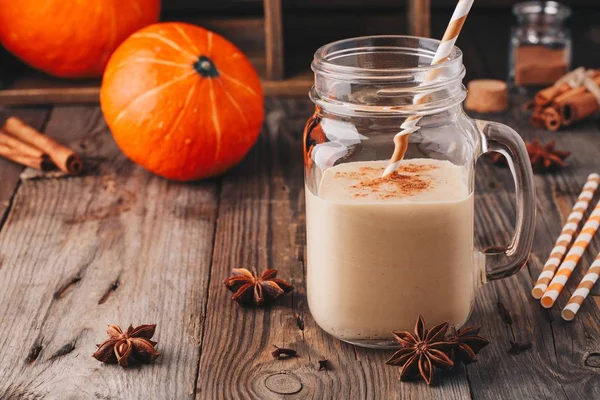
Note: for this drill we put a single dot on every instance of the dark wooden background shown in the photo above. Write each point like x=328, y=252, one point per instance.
x=254, y=5
x=307, y=25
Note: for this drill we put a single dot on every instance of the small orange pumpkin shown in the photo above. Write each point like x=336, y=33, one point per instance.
x=68, y=38
x=182, y=101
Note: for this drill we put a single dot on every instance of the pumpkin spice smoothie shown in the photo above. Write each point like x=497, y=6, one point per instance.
x=384, y=249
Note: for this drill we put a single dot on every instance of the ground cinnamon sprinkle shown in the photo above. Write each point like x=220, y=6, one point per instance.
x=362, y=173
x=370, y=171
x=393, y=185
x=414, y=168
x=406, y=181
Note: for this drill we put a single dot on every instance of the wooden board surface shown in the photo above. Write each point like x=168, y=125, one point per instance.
x=119, y=245
x=98, y=250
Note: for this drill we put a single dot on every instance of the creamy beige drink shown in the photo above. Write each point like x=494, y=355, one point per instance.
x=383, y=250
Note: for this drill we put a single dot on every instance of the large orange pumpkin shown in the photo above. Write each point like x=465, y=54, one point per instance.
x=182, y=101
x=70, y=38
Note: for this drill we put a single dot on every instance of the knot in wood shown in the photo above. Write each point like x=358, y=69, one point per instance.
x=592, y=360
x=283, y=383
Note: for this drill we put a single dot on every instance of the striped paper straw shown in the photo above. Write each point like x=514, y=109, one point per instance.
x=573, y=256
x=582, y=291
x=442, y=53
x=566, y=236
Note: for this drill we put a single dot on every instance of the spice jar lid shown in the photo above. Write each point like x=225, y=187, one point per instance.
x=547, y=8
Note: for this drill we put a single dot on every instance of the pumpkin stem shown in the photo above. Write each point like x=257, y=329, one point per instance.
x=205, y=67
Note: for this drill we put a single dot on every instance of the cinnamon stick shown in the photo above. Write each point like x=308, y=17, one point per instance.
x=536, y=116
x=537, y=120
x=573, y=92
x=547, y=95
x=64, y=158
x=575, y=108
x=41, y=163
x=18, y=147
x=552, y=119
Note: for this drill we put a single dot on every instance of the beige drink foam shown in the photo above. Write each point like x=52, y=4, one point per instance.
x=383, y=250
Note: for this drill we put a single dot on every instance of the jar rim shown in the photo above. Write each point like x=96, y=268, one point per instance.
x=425, y=47
x=385, y=74
x=550, y=8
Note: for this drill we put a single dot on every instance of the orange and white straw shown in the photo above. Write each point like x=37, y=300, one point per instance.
x=566, y=235
x=573, y=256
x=442, y=53
x=582, y=291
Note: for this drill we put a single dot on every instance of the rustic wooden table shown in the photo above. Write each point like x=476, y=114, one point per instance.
x=119, y=245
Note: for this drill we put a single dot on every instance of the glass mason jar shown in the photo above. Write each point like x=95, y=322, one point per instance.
x=382, y=250
x=540, y=45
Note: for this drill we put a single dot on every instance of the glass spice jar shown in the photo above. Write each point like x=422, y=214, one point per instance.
x=540, y=49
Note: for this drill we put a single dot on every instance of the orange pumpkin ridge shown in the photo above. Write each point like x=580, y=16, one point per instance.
x=181, y=101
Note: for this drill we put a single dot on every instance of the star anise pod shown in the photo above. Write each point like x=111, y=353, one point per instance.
x=422, y=352
x=467, y=344
x=249, y=288
x=122, y=347
x=323, y=365
x=543, y=157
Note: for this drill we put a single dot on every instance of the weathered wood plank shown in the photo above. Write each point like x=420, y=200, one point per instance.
x=117, y=245
x=67, y=241
x=556, y=362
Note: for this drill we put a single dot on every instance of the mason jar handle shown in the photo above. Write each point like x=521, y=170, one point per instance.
x=500, y=138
